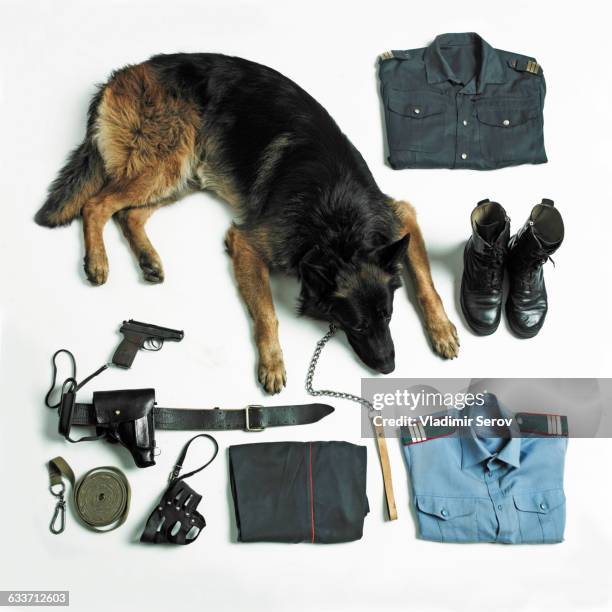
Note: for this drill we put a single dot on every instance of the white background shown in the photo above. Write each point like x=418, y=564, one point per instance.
x=52, y=54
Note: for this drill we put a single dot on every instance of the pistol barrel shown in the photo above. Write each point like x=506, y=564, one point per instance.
x=154, y=331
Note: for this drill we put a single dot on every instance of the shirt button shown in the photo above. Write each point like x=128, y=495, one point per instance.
x=506, y=121
x=465, y=122
x=444, y=512
x=543, y=506
x=464, y=156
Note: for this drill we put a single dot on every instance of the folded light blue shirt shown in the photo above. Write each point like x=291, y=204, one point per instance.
x=470, y=487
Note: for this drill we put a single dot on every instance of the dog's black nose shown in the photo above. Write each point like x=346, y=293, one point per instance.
x=387, y=367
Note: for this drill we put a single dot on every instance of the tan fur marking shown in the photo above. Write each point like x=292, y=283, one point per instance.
x=132, y=222
x=72, y=207
x=146, y=137
x=143, y=128
x=211, y=178
x=253, y=280
x=96, y=213
x=442, y=332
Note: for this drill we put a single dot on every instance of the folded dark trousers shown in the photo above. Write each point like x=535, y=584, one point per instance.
x=299, y=491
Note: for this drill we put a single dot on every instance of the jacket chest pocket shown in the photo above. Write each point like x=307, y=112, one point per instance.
x=509, y=133
x=415, y=122
x=541, y=516
x=447, y=519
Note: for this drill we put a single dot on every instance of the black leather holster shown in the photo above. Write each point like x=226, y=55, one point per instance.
x=125, y=417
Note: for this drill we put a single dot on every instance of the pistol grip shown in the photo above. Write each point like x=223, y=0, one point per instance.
x=125, y=353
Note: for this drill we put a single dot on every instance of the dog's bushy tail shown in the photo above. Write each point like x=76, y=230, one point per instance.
x=81, y=178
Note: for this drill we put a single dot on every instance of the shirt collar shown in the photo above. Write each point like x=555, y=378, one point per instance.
x=474, y=452
x=491, y=69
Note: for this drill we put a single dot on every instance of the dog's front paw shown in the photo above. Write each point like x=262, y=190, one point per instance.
x=271, y=374
x=96, y=269
x=151, y=266
x=444, y=338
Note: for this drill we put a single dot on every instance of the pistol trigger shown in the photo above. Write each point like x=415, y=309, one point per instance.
x=153, y=344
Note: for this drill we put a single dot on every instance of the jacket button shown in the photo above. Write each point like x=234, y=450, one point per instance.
x=464, y=156
x=444, y=512
x=506, y=121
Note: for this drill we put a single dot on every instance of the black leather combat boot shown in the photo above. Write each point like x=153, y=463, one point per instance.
x=483, y=267
x=529, y=250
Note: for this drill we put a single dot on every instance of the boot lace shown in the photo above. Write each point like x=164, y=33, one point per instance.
x=530, y=269
x=492, y=261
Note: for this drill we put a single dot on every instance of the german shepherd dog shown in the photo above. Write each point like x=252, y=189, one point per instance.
x=305, y=200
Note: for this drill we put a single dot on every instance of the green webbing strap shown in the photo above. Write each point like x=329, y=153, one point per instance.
x=101, y=497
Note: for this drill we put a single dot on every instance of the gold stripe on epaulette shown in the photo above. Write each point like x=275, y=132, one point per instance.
x=386, y=55
x=533, y=67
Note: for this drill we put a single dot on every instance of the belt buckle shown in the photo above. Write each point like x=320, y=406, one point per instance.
x=247, y=418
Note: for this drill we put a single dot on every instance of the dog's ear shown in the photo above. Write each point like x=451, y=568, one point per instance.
x=315, y=276
x=391, y=254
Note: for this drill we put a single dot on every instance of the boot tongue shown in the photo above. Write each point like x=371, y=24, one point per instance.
x=489, y=232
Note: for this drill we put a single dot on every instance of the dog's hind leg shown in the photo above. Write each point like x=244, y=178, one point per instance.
x=442, y=332
x=132, y=222
x=96, y=213
x=146, y=136
x=253, y=279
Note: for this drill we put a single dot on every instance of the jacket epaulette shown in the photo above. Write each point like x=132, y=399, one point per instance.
x=542, y=424
x=399, y=55
x=525, y=64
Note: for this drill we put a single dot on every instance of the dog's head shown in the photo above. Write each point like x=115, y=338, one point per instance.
x=357, y=296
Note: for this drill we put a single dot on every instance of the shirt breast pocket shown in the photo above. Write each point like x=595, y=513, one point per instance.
x=415, y=122
x=541, y=516
x=447, y=519
x=509, y=132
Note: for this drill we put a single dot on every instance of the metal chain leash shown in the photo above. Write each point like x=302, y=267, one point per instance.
x=380, y=434
x=311, y=370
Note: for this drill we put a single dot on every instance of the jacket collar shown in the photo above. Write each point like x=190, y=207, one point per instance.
x=490, y=70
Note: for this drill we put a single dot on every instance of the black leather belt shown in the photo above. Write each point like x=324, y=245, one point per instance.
x=252, y=418
x=131, y=416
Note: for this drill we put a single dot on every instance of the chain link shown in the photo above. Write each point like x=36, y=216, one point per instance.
x=311, y=370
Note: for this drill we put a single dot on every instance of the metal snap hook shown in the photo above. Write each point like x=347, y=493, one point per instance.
x=58, y=514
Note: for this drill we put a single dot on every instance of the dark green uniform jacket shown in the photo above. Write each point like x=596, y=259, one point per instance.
x=459, y=103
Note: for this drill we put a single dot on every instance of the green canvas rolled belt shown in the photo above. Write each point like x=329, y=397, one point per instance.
x=101, y=496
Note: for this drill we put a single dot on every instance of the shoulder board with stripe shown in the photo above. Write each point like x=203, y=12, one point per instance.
x=542, y=424
x=418, y=432
x=398, y=55
x=525, y=64
x=385, y=56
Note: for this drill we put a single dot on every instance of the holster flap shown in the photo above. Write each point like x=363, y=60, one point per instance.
x=124, y=405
